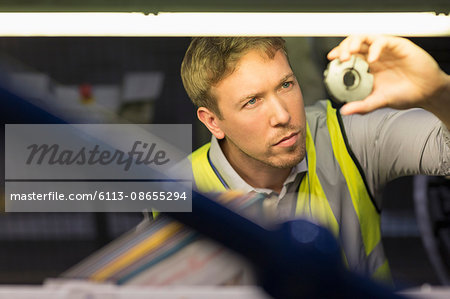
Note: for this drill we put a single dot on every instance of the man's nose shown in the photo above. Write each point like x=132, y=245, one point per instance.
x=279, y=114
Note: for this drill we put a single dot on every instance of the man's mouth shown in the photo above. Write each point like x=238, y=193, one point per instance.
x=287, y=141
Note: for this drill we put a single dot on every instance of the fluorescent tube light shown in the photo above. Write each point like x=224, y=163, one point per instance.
x=223, y=24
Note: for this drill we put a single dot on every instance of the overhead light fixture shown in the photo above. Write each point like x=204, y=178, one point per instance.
x=222, y=24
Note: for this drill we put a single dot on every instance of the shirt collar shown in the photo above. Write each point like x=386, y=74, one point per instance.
x=232, y=178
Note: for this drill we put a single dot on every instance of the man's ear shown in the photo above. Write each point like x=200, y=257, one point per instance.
x=210, y=120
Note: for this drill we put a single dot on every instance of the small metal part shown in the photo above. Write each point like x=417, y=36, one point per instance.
x=348, y=81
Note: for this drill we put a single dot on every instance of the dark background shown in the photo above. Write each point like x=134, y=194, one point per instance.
x=34, y=246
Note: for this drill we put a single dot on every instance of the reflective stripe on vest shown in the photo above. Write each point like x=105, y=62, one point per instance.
x=332, y=192
x=205, y=178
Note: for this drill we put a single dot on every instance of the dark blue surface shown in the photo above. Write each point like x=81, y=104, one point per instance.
x=297, y=259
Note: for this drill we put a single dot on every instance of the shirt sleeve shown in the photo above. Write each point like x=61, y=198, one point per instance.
x=390, y=143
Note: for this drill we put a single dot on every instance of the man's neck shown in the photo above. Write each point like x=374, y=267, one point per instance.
x=254, y=172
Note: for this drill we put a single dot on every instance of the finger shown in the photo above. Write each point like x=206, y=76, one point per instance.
x=376, y=48
x=338, y=50
x=344, y=54
x=371, y=103
x=356, y=44
x=334, y=53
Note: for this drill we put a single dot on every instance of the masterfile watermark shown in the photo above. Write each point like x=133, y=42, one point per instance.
x=53, y=154
x=96, y=151
x=97, y=168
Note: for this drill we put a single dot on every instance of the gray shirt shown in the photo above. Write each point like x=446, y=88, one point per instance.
x=387, y=143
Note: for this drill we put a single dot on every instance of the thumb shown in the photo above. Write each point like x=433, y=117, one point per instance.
x=371, y=103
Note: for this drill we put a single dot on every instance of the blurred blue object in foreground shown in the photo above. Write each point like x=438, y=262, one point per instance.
x=298, y=259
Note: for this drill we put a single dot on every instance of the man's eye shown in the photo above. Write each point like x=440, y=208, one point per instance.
x=252, y=101
x=286, y=84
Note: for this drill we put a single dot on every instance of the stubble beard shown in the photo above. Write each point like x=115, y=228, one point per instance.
x=296, y=154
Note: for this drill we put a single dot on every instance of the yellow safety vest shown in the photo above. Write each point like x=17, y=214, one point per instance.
x=333, y=192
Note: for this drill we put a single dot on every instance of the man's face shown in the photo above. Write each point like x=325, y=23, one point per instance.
x=263, y=117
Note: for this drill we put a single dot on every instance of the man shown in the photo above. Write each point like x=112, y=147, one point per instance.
x=319, y=164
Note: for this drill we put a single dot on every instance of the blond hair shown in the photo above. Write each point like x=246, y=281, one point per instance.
x=208, y=60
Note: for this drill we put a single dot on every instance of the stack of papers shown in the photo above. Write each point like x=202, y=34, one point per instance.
x=164, y=252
